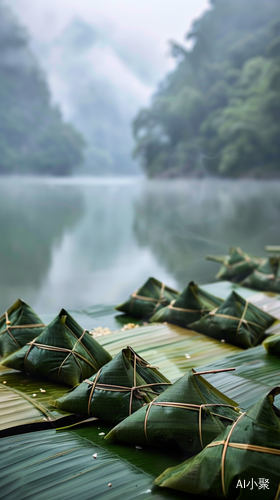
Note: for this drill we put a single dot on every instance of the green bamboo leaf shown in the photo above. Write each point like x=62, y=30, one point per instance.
x=57, y=465
x=244, y=452
x=236, y=321
x=18, y=325
x=190, y=306
x=118, y=389
x=186, y=417
x=63, y=352
x=148, y=299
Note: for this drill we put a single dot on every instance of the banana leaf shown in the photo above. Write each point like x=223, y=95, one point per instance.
x=236, y=321
x=190, y=306
x=61, y=465
x=186, y=417
x=236, y=265
x=153, y=295
x=232, y=465
x=18, y=325
x=266, y=277
x=117, y=390
x=63, y=352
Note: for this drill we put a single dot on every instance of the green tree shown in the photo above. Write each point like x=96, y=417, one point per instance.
x=218, y=111
x=33, y=136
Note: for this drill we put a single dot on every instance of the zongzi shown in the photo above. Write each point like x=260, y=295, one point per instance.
x=186, y=417
x=63, y=352
x=266, y=277
x=117, y=390
x=236, y=321
x=18, y=325
x=153, y=295
x=235, y=266
x=190, y=306
x=242, y=463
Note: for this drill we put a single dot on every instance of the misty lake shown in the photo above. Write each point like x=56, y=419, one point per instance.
x=77, y=242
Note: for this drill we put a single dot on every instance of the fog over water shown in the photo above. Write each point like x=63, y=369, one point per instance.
x=79, y=241
x=74, y=243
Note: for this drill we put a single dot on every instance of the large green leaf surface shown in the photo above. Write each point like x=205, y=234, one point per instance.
x=60, y=464
x=25, y=399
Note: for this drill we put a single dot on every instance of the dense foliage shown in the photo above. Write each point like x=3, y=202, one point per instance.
x=33, y=136
x=218, y=112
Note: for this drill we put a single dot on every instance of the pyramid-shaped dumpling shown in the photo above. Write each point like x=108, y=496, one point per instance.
x=63, y=352
x=18, y=325
x=236, y=321
x=266, y=277
x=232, y=465
x=185, y=417
x=153, y=295
x=190, y=306
x=236, y=266
x=118, y=389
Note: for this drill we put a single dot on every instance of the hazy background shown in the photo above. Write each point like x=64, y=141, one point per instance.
x=103, y=61
x=76, y=78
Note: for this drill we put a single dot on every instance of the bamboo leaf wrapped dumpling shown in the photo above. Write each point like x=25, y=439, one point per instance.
x=18, y=325
x=236, y=321
x=266, y=277
x=230, y=466
x=117, y=390
x=153, y=295
x=190, y=306
x=186, y=417
x=236, y=266
x=63, y=352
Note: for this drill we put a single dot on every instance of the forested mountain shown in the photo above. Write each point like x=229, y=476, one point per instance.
x=218, y=112
x=33, y=136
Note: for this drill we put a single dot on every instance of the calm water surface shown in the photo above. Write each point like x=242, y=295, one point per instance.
x=76, y=242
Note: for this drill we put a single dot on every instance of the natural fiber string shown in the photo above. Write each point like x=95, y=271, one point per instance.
x=141, y=361
x=158, y=301
x=244, y=446
x=92, y=389
x=240, y=446
x=243, y=316
x=277, y=493
x=17, y=327
x=186, y=406
x=224, y=455
x=119, y=388
x=207, y=372
x=268, y=276
x=161, y=298
x=79, y=340
x=55, y=349
x=84, y=347
x=244, y=255
x=200, y=311
x=240, y=320
x=146, y=421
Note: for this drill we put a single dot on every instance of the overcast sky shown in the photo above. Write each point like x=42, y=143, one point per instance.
x=143, y=27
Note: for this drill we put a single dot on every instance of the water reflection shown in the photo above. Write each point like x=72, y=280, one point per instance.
x=33, y=219
x=76, y=242
x=101, y=259
x=182, y=221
